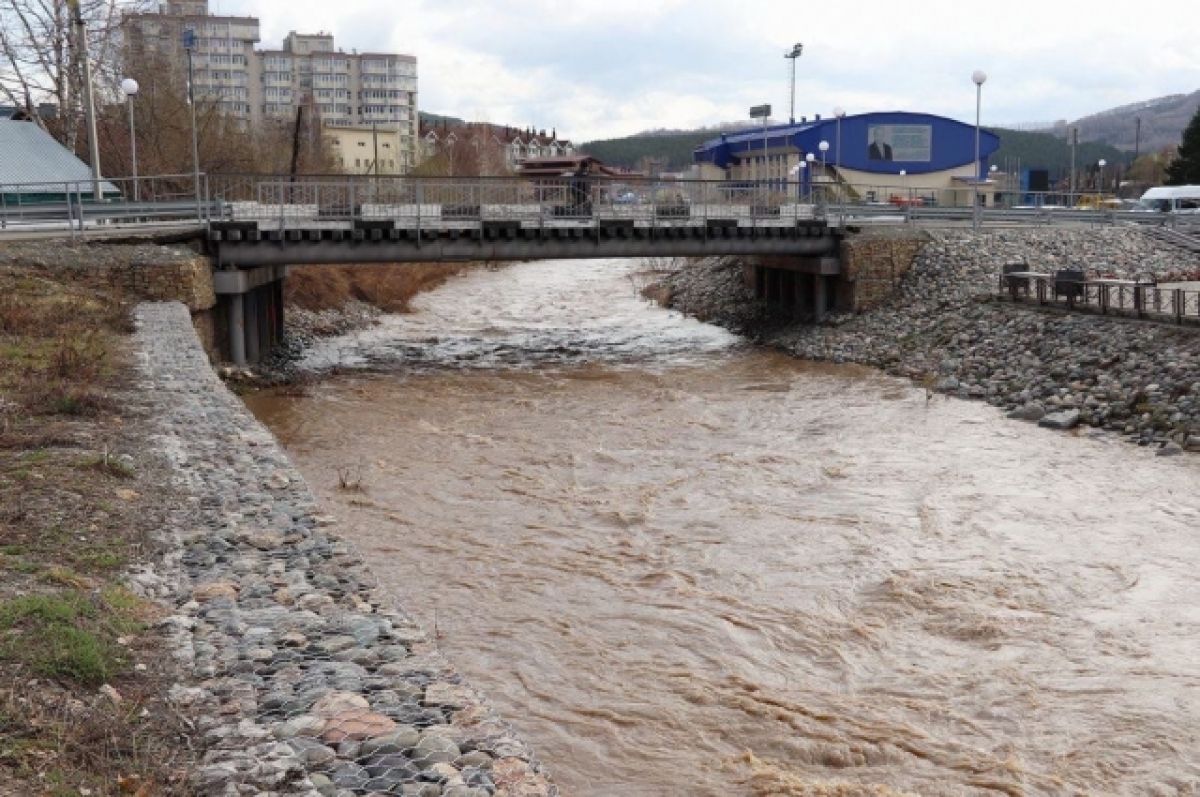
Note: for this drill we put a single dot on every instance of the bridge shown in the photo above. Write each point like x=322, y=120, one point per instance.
x=254, y=226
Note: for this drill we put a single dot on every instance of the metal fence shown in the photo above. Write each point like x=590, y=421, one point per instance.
x=1136, y=298
x=86, y=204
x=436, y=202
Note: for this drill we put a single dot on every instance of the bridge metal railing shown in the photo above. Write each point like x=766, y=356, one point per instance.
x=449, y=202
x=82, y=205
x=528, y=201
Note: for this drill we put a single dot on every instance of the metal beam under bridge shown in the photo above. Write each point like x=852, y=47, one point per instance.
x=239, y=245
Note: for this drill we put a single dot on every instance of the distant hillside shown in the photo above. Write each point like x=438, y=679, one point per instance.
x=1163, y=121
x=427, y=118
x=674, y=149
x=1047, y=151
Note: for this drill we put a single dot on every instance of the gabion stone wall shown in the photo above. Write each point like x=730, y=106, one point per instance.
x=303, y=677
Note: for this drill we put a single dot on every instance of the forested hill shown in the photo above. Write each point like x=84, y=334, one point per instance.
x=1034, y=149
x=1162, y=122
x=1038, y=150
x=673, y=150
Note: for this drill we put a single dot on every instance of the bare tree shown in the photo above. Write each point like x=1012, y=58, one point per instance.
x=39, y=61
x=226, y=144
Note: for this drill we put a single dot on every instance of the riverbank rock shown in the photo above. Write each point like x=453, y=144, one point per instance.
x=1067, y=419
x=945, y=327
x=303, y=678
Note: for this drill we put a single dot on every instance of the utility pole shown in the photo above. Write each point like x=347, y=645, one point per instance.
x=1137, y=138
x=375, y=141
x=792, y=55
x=89, y=103
x=296, y=142
x=189, y=44
x=1074, y=144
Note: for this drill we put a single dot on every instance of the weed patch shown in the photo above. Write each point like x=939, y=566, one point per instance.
x=69, y=634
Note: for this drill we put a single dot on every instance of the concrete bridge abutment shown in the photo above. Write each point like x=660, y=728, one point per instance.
x=862, y=274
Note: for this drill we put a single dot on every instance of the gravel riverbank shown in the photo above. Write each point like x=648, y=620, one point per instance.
x=945, y=329
x=305, y=678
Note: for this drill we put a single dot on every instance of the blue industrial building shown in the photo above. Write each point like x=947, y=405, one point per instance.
x=875, y=155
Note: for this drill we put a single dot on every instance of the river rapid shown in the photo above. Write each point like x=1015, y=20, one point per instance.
x=681, y=565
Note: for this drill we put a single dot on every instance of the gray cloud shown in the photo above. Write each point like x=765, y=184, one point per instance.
x=596, y=68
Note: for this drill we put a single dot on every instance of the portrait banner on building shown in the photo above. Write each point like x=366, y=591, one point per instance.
x=908, y=143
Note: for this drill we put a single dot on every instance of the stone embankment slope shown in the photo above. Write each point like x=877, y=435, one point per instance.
x=304, y=678
x=944, y=328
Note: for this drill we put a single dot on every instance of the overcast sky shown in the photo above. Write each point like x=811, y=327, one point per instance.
x=604, y=68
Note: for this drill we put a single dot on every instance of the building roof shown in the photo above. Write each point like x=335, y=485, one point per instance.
x=941, y=143
x=28, y=154
x=566, y=166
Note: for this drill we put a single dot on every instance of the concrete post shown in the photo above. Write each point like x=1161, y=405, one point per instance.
x=279, y=311
x=263, y=295
x=819, y=298
x=237, y=330
x=253, y=353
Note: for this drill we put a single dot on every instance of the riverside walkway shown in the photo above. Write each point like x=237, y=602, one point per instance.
x=1140, y=297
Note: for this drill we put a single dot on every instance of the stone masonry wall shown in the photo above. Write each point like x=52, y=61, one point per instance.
x=302, y=676
x=873, y=264
x=146, y=271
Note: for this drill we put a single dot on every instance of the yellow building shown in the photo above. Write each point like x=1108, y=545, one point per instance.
x=358, y=148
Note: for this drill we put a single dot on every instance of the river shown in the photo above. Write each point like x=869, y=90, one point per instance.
x=681, y=565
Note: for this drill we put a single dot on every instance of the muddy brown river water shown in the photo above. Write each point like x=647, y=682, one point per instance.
x=679, y=565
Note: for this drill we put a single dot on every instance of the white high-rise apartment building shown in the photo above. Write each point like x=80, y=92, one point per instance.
x=345, y=90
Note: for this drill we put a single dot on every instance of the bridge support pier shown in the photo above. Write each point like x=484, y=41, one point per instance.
x=820, y=297
x=235, y=308
x=252, y=303
x=805, y=286
x=253, y=326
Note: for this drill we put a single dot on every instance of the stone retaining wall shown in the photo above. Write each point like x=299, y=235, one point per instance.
x=146, y=271
x=873, y=264
x=303, y=677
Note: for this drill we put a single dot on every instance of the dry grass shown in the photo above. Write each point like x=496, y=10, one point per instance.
x=388, y=287
x=73, y=515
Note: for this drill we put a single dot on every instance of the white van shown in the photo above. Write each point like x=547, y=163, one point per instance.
x=1172, y=199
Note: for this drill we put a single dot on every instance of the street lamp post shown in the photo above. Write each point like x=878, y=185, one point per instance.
x=979, y=78
x=824, y=147
x=792, y=55
x=810, y=161
x=993, y=171
x=1100, y=181
x=129, y=87
x=803, y=170
x=839, y=113
x=762, y=112
x=1074, y=145
x=797, y=171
